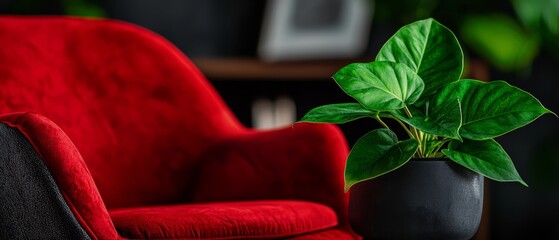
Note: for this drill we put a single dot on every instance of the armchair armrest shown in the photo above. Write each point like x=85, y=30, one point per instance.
x=69, y=171
x=304, y=162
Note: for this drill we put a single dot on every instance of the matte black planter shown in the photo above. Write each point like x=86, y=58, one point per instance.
x=424, y=199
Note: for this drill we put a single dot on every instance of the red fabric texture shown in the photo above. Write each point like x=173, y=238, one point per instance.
x=68, y=170
x=303, y=162
x=146, y=127
x=232, y=220
x=327, y=235
x=138, y=111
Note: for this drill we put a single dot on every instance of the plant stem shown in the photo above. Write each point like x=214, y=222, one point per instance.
x=424, y=141
x=416, y=133
x=381, y=122
x=438, y=148
x=408, y=112
x=404, y=126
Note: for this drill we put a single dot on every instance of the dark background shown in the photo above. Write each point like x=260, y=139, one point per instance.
x=231, y=28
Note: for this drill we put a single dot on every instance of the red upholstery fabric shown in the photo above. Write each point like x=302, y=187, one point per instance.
x=138, y=125
x=124, y=95
x=327, y=235
x=68, y=170
x=290, y=163
x=242, y=220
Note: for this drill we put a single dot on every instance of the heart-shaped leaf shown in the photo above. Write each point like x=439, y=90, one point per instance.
x=338, y=113
x=490, y=109
x=442, y=120
x=485, y=157
x=430, y=49
x=376, y=153
x=380, y=86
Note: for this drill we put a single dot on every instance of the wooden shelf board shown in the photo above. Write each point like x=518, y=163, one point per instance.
x=255, y=69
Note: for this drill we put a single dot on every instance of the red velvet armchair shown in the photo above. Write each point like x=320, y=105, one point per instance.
x=107, y=131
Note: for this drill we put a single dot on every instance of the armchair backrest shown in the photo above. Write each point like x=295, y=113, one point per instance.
x=137, y=109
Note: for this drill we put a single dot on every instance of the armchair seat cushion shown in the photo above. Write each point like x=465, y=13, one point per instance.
x=231, y=220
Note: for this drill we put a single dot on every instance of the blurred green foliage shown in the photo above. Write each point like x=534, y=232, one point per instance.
x=84, y=8
x=508, y=34
x=500, y=40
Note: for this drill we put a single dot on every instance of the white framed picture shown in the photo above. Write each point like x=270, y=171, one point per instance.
x=315, y=29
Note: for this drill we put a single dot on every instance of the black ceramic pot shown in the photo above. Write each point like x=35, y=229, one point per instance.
x=424, y=199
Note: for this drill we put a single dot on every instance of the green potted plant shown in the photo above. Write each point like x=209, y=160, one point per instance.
x=431, y=184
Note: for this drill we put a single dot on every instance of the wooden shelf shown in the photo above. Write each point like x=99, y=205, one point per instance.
x=255, y=69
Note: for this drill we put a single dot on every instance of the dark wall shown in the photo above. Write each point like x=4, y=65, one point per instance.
x=531, y=213
x=199, y=28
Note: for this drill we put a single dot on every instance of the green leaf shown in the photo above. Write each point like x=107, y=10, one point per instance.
x=485, y=157
x=442, y=120
x=380, y=85
x=490, y=109
x=430, y=49
x=376, y=153
x=338, y=113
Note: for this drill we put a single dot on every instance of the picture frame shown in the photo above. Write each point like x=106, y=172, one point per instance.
x=315, y=29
